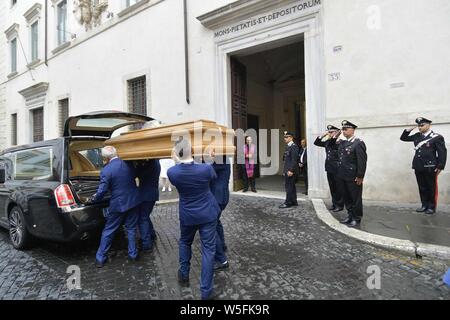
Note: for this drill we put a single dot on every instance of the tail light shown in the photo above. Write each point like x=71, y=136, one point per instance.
x=64, y=196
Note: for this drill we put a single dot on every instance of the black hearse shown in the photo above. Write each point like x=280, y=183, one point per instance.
x=44, y=186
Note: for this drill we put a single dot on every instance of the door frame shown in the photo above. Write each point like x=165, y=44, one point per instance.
x=310, y=28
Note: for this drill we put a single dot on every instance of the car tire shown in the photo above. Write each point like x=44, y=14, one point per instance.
x=18, y=233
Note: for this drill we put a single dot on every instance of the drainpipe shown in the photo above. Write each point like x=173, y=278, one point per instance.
x=46, y=33
x=186, y=53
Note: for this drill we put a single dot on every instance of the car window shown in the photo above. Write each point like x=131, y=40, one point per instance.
x=94, y=156
x=33, y=164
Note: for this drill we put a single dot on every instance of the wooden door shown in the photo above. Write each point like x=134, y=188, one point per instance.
x=239, y=108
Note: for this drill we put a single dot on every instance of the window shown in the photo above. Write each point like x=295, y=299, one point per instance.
x=62, y=22
x=14, y=129
x=35, y=164
x=137, y=95
x=14, y=55
x=131, y=2
x=63, y=106
x=34, y=41
x=38, y=124
x=137, y=98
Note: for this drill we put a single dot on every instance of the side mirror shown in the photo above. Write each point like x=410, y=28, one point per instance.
x=2, y=175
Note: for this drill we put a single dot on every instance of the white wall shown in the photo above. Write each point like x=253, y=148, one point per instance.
x=410, y=45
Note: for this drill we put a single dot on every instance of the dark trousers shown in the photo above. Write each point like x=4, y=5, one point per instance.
x=304, y=171
x=352, y=194
x=220, y=256
x=208, y=233
x=248, y=182
x=113, y=223
x=145, y=224
x=427, y=182
x=291, y=189
x=336, y=194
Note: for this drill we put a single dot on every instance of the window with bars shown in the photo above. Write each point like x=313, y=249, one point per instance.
x=137, y=97
x=14, y=129
x=38, y=124
x=63, y=106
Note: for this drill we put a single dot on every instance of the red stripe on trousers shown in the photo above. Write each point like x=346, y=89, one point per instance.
x=436, y=197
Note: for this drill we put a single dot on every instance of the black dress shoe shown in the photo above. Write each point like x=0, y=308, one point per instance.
x=254, y=191
x=130, y=259
x=347, y=221
x=148, y=250
x=337, y=210
x=354, y=224
x=430, y=211
x=221, y=266
x=423, y=209
x=182, y=280
x=212, y=296
x=245, y=190
x=285, y=206
x=99, y=264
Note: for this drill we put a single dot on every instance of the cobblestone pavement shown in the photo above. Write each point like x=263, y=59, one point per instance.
x=273, y=254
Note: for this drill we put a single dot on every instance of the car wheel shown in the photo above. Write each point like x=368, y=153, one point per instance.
x=18, y=233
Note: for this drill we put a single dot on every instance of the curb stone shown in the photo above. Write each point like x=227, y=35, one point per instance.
x=406, y=246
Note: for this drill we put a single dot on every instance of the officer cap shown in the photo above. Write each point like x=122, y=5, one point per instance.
x=288, y=134
x=348, y=124
x=422, y=120
x=331, y=128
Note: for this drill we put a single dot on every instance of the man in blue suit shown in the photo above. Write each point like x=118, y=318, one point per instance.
x=148, y=173
x=220, y=190
x=118, y=177
x=198, y=212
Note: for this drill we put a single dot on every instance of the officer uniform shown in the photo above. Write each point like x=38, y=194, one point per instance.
x=291, y=160
x=431, y=155
x=148, y=173
x=199, y=211
x=352, y=164
x=331, y=167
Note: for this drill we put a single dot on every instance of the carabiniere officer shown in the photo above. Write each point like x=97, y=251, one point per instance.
x=329, y=141
x=352, y=167
x=429, y=160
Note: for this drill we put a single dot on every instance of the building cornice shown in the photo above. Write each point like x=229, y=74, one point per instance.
x=12, y=31
x=33, y=12
x=237, y=11
x=34, y=90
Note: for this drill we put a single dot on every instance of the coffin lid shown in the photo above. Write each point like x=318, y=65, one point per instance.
x=101, y=123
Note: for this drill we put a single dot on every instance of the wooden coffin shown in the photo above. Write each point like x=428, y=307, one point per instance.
x=158, y=143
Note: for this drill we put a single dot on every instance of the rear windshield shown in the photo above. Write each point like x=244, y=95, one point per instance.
x=85, y=158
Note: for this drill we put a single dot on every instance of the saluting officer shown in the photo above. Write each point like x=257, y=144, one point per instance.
x=329, y=142
x=351, y=171
x=290, y=170
x=430, y=159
